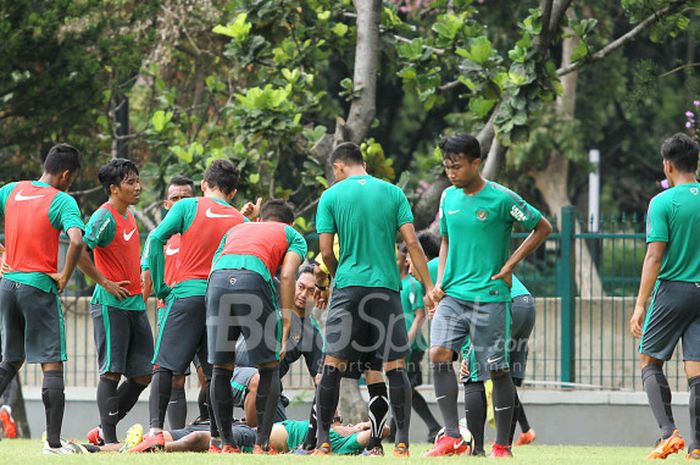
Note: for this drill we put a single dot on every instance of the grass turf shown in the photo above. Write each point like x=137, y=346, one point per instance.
x=29, y=452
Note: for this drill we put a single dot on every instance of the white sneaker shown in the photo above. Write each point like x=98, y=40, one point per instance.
x=66, y=449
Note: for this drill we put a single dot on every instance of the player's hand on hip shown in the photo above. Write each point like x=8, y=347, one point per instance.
x=506, y=274
x=637, y=321
x=117, y=289
x=4, y=268
x=60, y=279
x=283, y=350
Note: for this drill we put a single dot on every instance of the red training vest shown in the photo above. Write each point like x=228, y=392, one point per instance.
x=31, y=241
x=199, y=243
x=120, y=260
x=266, y=240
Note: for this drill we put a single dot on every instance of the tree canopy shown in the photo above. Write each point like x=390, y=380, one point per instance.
x=272, y=84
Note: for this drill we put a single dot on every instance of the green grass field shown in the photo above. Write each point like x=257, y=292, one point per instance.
x=29, y=452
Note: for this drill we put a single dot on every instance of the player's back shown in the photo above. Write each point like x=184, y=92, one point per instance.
x=366, y=212
x=680, y=207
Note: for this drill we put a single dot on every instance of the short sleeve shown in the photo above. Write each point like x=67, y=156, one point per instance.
x=325, y=223
x=296, y=242
x=5, y=192
x=64, y=213
x=519, y=211
x=657, y=220
x=100, y=229
x=441, y=214
x=405, y=215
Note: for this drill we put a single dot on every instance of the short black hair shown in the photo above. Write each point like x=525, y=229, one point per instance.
x=460, y=145
x=430, y=244
x=114, y=172
x=62, y=157
x=403, y=250
x=348, y=153
x=681, y=150
x=180, y=180
x=277, y=209
x=222, y=174
x=305, y=268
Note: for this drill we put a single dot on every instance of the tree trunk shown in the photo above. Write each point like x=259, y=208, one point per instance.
x=353, y=407
x=553, y=180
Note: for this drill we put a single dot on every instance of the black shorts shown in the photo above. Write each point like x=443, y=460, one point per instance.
x=241, y=302
x=674, y=314
x=182, y=335
x=522, y=311
x=32, y=324
x=178, y=434
x=366, y=321
x=367, y=362
x=123, y=339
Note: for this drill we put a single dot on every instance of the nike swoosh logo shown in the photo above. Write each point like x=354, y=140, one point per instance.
x=441, y=397
x=170, y=252
x=211, y=214
x=494, y=360
x=452, y=212
x=113, y=414
x=500, y=409
x=457, y=445
x=127, y=237
x=20, y=198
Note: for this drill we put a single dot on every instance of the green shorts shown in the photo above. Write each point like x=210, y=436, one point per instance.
x=341, y=445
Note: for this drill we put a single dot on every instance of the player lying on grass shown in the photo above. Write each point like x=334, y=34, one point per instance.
x=285, y=436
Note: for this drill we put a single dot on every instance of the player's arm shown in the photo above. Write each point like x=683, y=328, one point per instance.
x=420, y=263
x=438, y=293
x=64, y=214
x=288, y=272
x=76, y=246
x=416, y=325
x=543, y=228
x=4, y=267
x=657, y=237
x=172, y=224
x=650, y=273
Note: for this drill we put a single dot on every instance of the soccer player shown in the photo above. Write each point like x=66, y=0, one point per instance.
x=201, y=222
x=305, y=340
x=671, y=275
x=474, y=280
x=121, y=328
x=285, y=436
x=241, y=301
x=180, y=187
x=522, y=311
x=365, y=315
x=32, y=322
x=412, y=292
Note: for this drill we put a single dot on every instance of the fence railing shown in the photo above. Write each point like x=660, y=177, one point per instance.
x=584, y=279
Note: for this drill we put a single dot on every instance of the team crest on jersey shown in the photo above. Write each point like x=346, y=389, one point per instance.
x=481, y=215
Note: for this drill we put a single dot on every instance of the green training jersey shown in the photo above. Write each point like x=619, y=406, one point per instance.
x=479, y=230
x=674, y=218
x=518, y=289
x=99, y=232
x=412, y=300
x=366, y=213
x=340, y=445
x=63, y=215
